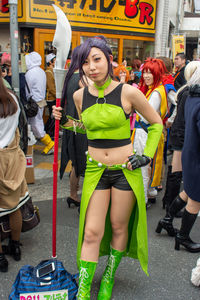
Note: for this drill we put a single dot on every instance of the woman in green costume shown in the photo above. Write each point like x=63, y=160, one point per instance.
x=113, y=212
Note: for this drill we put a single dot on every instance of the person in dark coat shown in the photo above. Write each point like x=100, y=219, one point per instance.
x=176, y=140
x=192, y=75
x=191, y=167
x=74, y=145
x=179, y=78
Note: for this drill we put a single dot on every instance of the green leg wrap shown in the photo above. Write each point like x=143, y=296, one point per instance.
x=86, y=274
x=107, y=281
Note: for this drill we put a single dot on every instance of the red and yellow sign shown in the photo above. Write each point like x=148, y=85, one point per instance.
x=178, y=44
x=4, y=11
x=118, y=15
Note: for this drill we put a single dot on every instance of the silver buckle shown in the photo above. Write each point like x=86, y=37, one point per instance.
x=97, y=101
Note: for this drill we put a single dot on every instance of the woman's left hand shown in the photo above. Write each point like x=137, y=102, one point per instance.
x=137, y=161
x=128, y=165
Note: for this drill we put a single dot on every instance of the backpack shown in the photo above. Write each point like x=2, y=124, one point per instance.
x=52, y=279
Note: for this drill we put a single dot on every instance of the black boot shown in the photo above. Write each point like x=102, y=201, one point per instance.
x=167, y=187
x=172, y=188
x=3, y=263
x=13, y=249
x=166, y=223
x=182, y=237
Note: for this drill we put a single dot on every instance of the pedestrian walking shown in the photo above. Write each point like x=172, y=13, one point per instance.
x=113, y=196
x=74, y=145
x=13, y=187
x=189, y=160
x=50, y=92
x=179, y=78
x=7, y=79
x=134, y=80
x=168, y=82
x=36, y=88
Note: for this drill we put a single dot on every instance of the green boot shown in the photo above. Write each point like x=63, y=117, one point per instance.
x=107, y=281
x=86, y=274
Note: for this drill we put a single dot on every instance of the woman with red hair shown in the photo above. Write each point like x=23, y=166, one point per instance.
x=152, y=87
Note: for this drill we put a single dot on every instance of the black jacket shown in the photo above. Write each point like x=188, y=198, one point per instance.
x=74, y=145
x=179, y=79
x=177, y=131
x=191, y=148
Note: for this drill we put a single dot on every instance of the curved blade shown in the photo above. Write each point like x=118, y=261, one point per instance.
x=62, y=38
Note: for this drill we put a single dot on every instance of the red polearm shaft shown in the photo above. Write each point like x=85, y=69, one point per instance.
x=55, y=173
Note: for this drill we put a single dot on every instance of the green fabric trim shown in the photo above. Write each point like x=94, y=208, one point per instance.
x=78, y=127
x=154, y=134
x=137, y=246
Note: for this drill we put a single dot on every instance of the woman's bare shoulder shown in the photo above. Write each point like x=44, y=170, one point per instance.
x=130, y=91
x=78, y=95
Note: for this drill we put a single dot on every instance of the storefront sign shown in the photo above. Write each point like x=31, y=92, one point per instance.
x=4, y=11
x=4, y=6
x=57, y=295
x=178, y=44
x=124, y=15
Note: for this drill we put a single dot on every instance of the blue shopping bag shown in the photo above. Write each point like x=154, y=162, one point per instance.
x=48, y=278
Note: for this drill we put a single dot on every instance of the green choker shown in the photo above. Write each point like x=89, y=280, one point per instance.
x=103, y=87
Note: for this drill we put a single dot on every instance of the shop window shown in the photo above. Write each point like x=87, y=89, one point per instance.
x=136, y=49
x=113, y=43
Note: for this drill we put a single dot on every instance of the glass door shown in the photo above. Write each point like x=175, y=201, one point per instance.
x=43, y=39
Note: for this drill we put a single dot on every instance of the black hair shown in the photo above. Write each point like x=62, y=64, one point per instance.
x=8, y=106
x=72, y=68
x=97, y=42
x=181, y=55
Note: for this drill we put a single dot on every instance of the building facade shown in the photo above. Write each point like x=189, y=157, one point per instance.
x=178, y=18
x=129, y=26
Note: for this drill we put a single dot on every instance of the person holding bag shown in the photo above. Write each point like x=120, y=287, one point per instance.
x=112, y=211
x=36, y=84
x=13, y=187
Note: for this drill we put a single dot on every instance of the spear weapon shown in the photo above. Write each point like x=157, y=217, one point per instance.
x=62, y=42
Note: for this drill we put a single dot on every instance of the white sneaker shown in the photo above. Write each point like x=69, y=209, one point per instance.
x=152, y=192
x=51, y=151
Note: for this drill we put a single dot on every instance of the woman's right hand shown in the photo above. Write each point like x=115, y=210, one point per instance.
x=57, y=112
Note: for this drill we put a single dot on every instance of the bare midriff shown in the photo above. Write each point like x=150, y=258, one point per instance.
x=111, y=156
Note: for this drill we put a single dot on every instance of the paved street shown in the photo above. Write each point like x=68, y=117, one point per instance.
x=169, y=270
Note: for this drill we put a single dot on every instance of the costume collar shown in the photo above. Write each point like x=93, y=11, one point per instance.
x=102, y=88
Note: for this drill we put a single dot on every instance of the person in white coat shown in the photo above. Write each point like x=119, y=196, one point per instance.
x=36, y=88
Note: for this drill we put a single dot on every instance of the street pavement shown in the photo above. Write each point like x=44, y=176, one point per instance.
x=169, y=270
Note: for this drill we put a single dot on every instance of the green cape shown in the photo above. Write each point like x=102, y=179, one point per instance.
x=137, y=246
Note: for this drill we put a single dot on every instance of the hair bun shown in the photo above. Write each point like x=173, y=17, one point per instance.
x=101, y=37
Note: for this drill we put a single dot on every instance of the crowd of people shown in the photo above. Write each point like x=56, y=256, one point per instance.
x=126, y=120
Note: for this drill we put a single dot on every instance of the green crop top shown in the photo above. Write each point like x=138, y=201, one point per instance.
x=105, y=119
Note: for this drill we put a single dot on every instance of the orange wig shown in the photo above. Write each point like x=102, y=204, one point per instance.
x=119, y=69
